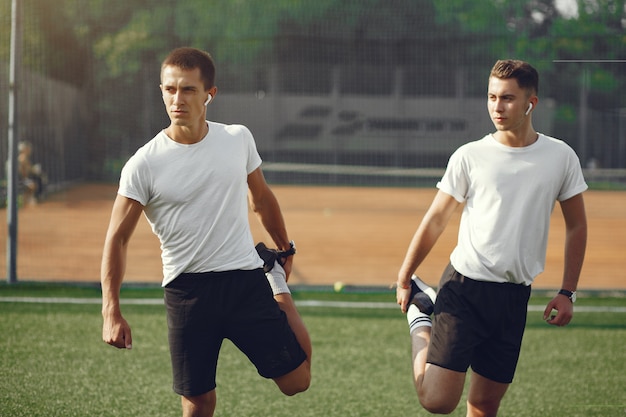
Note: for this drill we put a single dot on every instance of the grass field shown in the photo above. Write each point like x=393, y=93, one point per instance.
x=53, y=362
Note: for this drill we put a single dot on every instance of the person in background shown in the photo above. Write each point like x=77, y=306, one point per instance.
x=508, y=183
x=193, y=182
x=31, y=177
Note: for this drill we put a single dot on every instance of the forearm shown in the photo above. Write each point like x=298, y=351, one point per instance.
x=423, y=241
x=432, y=226
x=575, y=240
x=575, y=247
x=270, y=216
x=111, y=276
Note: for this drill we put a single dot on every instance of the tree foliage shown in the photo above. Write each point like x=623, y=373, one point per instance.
x=239, y=32
x=62, y=38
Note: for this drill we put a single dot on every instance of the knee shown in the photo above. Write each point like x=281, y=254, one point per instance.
x=293, y=390
x=295, y=384
x=201, y=405
x=297, y=387
x=437, y=407
x=437, y=404
x=484, y=408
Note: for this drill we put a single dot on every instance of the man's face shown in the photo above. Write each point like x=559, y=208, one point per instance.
x=184, y=95
x=507, y=103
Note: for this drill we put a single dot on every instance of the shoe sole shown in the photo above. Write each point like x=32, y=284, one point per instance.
x=422, y=296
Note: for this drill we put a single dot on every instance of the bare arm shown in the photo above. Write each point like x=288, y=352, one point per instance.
x=264, y=204
x=429, y=230
x=575, y=245
x=124, y=218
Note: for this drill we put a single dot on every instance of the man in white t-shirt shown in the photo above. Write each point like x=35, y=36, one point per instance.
x=508, y=183
x=193, y=181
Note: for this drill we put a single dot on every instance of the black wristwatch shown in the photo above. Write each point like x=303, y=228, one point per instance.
x=289, y=252
x=569, y=294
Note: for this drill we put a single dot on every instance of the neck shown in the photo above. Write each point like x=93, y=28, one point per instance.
x=187, y=134
x=517, y=139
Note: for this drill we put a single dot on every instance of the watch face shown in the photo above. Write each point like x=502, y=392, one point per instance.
x=573, y=297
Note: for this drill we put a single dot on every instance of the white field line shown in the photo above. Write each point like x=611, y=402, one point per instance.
x=303, y=303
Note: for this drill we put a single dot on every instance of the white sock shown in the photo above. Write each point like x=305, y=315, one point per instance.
x=417, y=319
x=276, y=278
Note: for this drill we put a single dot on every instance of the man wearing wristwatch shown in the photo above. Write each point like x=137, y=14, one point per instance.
x=194, y=182
x=508, y=183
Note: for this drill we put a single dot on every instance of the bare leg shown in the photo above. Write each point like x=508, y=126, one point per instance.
x=286, y=304
x=299, y=379
x=439, y=389
x=199, y=406
x=484, y=396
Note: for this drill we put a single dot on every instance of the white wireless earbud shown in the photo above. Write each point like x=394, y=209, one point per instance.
x=530, y=107
x=208, y=99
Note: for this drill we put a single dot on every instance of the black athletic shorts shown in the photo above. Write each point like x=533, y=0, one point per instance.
x=478, y=324
x=205, y=308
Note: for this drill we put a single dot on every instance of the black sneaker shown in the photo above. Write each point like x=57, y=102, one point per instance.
x=269, y=256
x=422, y=296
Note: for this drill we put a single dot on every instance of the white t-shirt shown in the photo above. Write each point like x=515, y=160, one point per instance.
x=195, y=199
x=509, y=194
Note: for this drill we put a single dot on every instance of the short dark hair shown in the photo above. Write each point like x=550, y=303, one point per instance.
x=526, y=76
x=187, y=58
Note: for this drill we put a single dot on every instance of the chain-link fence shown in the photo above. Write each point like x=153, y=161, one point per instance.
x=336, y=92
x=338, y=85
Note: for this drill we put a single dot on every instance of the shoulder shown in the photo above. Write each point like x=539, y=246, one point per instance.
x=232, y=130
x=148, y=151
x=555, y=145
x=551, y=141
